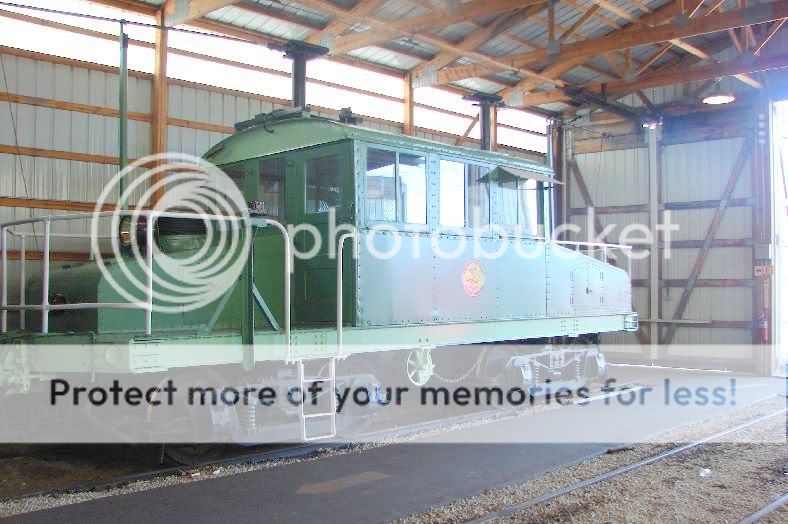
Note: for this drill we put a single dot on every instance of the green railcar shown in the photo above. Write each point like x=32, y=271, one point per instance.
x=424, y=198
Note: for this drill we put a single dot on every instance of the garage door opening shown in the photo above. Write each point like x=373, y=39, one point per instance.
x=780, y=207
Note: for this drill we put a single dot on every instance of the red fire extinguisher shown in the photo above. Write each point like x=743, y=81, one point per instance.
x=763, y=327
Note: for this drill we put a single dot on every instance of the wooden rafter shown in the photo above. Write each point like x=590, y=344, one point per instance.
x=661, y=15
x=421, y=23
x=388, y=28
x=617, y=88
x=260, y=9
x=588, y=13
x=768, y=36
x=181, y=11
x=337, y=26
x=461, y=140
x=627, y=39
x=476, y=39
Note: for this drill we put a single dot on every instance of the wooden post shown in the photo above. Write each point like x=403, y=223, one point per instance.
x=159, y=109
x=407, y=103
x=494, y=128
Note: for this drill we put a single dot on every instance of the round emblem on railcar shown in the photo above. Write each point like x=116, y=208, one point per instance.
x=473, y=278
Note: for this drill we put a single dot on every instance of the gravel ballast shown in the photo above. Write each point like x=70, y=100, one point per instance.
x=722, y=481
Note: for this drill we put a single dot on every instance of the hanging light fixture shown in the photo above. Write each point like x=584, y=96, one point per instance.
x=718, y=96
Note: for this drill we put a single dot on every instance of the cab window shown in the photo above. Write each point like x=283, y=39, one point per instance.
x=271, y=187
x=396, y=187
x=519, y=205
x=464, y=195
x=323, y=182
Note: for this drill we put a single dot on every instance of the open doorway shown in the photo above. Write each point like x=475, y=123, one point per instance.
x=780, y=209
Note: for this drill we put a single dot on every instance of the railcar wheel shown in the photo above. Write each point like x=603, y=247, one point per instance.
x=191, y=422
x=354, y=419
x=419, y=367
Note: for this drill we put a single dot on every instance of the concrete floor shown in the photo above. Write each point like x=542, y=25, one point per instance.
x=384, y=483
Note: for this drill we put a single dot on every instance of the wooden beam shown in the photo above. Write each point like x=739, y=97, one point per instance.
x=768, y=36
x=588, y=13
x=408, y=106
x=279, y=15
x=140, y=8
x=461, y=140
x=159, y=105
x=182, y=11
x=420, y=23
x=621, y=13
x=475, y=39
x=59, y=155
x=555, y=71
x=338, y=26
x=621, y=40
x=387, y=27
x=70, y=106
x=741, y=66
x=60, y=205
x=711, y=233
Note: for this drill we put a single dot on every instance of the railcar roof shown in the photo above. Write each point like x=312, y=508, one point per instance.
x=299, y=133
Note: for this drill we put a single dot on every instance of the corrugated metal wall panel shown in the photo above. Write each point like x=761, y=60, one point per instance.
x=690, y=172
x=693, y=223
x=700, y=171
x=613, y=178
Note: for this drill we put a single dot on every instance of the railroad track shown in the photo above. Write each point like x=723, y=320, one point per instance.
x=542, y=499
x=766, y=510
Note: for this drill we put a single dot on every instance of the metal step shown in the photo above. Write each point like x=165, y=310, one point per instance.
x=331, y=415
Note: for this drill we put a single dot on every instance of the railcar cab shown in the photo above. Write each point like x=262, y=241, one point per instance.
x=305, y=170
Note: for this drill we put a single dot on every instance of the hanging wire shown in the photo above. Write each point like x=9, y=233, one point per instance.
x=602, y=134
x=127, y=22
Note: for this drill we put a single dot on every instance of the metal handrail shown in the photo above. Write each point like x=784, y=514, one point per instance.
x=45, y=307
x=340, y=287
x=288, y=272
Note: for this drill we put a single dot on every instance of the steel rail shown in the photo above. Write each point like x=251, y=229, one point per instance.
x=619, y=471
x=766, y=510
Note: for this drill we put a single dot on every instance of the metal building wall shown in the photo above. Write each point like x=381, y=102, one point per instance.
x=696, y=157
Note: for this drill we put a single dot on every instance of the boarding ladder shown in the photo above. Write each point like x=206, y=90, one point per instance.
x=326, y=373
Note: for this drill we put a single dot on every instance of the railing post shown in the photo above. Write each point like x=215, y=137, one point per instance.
x=45, y=278
x=288, y=272
x=149, y=275
x=340, y=285
x=4, y=314
x=22, y=278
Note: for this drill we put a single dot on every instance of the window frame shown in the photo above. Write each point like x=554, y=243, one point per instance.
x=510, y=228
x=397, y=224
x=469, y=231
